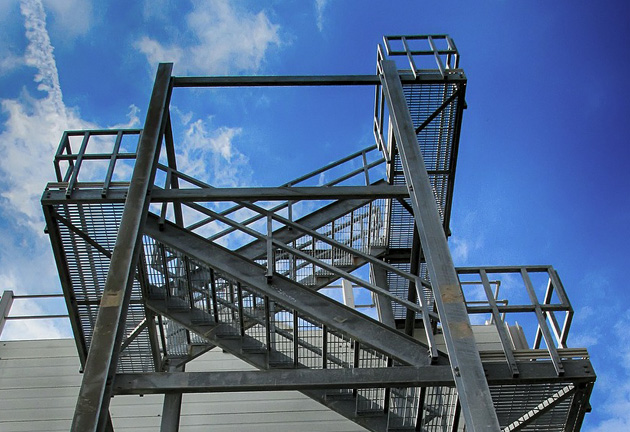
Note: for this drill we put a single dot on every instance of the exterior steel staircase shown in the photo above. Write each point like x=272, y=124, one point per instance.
x=250, y=278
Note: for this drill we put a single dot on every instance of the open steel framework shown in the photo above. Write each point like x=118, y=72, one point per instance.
x=155, y=271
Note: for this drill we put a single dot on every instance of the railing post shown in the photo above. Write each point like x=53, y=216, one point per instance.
x=270, y=256
x=5, y=306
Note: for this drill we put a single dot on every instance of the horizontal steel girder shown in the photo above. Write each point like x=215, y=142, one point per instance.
x=309, y=80
x=579, y=371
x=295, y=193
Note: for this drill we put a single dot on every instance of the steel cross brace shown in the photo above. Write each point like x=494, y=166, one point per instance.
x=472, y=387
x=92, y=410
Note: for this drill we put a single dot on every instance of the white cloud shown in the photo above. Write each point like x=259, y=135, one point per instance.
x=71, y=18
x=211, y=156
x=615, y=384
x=30, y=134
x=9, y=61
x=464, y=248
x=320, y=6
x=459, y=249
x=157, y=53
x=33, y=126
x=224, y=39
x=28, y=140
x=35, y=329
x=39, y=53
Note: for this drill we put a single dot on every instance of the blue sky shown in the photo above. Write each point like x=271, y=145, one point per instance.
x=542, y=174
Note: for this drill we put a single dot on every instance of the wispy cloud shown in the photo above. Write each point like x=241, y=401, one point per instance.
x=30, y=133
x=320, y=6
x=39, y=53
x=223, y=39
x=34, y=125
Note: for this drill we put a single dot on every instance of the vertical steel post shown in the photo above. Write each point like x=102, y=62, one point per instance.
x=5, y=306
x=270, y=256
x=472, y=387
x=172, y=407
x=378, y=276
x=92, y=410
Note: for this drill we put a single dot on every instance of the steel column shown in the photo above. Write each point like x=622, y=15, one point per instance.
x=472, y=387
x=172, y=408
x=92, y=408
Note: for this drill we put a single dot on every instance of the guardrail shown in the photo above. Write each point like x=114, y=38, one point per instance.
x=6, y=301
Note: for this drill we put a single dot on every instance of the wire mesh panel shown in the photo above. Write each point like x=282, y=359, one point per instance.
x=282, y=337
x=311, y=340
x=227, y=308
x=253, y=309
x=201, y=280
x=403, y=407
x=340, y=354
x=371, y=400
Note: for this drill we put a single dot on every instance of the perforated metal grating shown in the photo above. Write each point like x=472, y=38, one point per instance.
x=88, y=264
x=438, y=145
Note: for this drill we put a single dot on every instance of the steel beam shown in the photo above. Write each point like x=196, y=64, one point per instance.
x=312, y=379
x=293, y=193
x=472, y=387
x=282, y=379
x=92, y=408
x=309, y=80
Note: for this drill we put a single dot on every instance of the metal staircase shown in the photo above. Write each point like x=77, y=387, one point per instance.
x=156, y=274
x=230, y=304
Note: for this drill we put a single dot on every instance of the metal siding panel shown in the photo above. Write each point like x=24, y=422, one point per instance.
x=45, y=400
